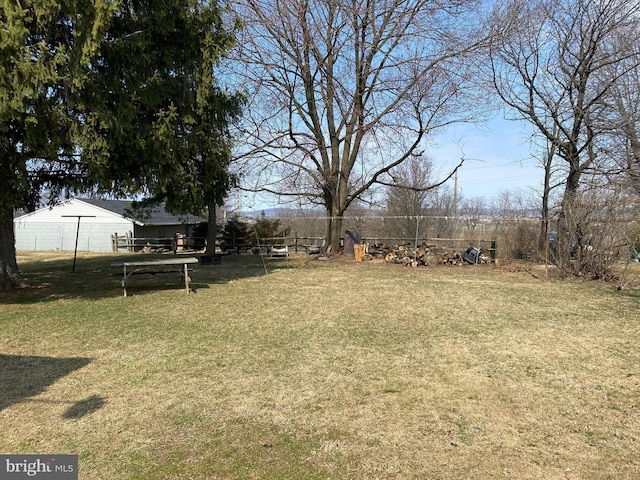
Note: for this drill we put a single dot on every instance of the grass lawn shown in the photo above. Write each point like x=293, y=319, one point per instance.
x=320, y=370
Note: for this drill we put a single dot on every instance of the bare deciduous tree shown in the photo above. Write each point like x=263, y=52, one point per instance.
x=625, y=133
x=555, y=70
x=345, y=91
x=407, y=199
x=472, y=211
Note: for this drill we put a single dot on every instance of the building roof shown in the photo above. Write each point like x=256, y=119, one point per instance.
x=150, y=216
x=143, y=216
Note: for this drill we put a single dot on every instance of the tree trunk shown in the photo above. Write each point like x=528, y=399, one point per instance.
x=546, y=194
x=336, y=231
x=568, y=219
x=333, y=231
x=327, y=248
x=9, y=273
x=212, y=230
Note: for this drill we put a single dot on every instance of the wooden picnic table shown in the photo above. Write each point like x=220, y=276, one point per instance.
x=147, y=266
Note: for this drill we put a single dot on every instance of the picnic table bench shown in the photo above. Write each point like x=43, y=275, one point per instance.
x=147, y=267
x=313, y=249
x=279, y=251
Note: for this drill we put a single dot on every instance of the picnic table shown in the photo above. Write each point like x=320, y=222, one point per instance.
x=148, y=267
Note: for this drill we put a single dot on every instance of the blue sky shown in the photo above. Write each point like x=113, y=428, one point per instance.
x=499, y=158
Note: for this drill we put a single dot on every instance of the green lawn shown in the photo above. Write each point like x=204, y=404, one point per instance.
x=328, y=370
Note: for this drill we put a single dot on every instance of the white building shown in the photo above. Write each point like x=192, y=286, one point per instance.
x=95, y=222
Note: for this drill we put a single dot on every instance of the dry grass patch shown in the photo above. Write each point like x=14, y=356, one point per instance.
x=322, y=370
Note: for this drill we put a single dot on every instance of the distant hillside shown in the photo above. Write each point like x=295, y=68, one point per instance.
x=280, y=212
x=269, y=212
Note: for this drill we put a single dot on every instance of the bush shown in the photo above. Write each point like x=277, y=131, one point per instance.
x=235, y=235
x=199, y=235
x=519, y=241
x=270, y=229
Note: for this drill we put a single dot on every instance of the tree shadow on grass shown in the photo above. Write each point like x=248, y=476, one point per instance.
x=84, y=407
x=94, y=278
x=23, y=377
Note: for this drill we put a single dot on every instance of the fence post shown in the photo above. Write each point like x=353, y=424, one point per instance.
x=415, y=245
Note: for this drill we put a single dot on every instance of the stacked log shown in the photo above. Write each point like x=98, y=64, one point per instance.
x=450, y=258
x=423, y=255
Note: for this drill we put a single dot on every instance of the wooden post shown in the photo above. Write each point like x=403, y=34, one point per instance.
x=124, y=279
x=186, y=277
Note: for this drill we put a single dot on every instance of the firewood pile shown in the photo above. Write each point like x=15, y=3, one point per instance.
x=424, y=255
